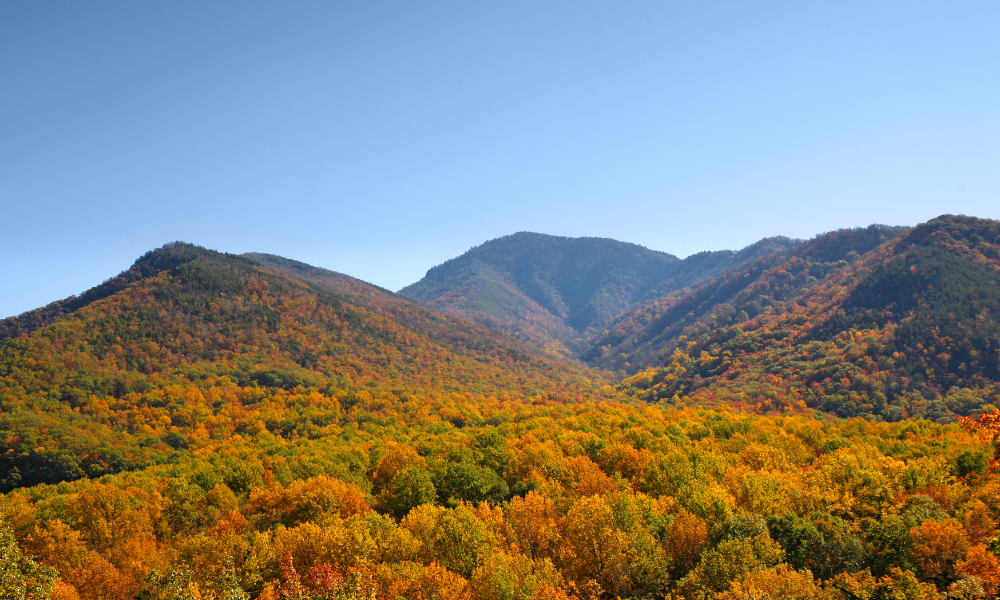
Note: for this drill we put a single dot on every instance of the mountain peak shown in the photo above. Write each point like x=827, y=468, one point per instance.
x=165, y=258
x=561, y=291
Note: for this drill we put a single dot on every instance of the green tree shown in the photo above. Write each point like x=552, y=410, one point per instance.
x=730, y=562
x=465, y=481
x=408, y=489
x=21, y=578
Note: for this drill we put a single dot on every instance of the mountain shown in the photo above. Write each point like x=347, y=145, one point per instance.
x=558, y=291
x=215, y=426
x=882, y=322
x=83, y=376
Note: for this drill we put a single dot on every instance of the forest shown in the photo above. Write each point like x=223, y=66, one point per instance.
x=219, y=427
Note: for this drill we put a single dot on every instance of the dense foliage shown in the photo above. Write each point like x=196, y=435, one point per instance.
x=280, y=493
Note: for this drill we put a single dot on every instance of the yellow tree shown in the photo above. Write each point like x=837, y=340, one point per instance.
x=535, y=524
x=778, y=582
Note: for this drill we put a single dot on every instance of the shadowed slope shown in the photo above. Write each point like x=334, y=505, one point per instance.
x=758, y=280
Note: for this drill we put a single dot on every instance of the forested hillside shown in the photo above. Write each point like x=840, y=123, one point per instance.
x=898, y=326
x=440, y=326
x=560, y=292
x=133, y=356
x=215, y=427
x=771, y=284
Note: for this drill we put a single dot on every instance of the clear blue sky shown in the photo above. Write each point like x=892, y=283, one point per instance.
x=381, y=138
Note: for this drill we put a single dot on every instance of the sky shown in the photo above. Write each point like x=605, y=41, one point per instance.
x=379, y=139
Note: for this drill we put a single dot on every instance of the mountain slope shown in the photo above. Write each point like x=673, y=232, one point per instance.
x=560, y=291
x=757, y=282
x=910, y=327
x=80, y=395
x=442, y=327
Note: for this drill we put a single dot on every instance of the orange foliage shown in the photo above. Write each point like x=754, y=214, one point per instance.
x=686, y=538
x=590, y=480
x=979, y=522
x=937, y=546
x=305, y=500
x=433, y=582
x=63, y=591
x=981, y=563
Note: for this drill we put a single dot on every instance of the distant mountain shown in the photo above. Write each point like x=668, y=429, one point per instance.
x=560, y=292
x=884, y=322
x=80, y=378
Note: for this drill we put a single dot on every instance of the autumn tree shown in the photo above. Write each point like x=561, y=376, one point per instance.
x=685, y=539
x=937, y=547
x=776, y=582
x=731, y=561
x=535, y=523
x=988, y=428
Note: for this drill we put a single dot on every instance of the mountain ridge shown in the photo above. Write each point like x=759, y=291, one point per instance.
x=925, y=300
x=145, y=266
